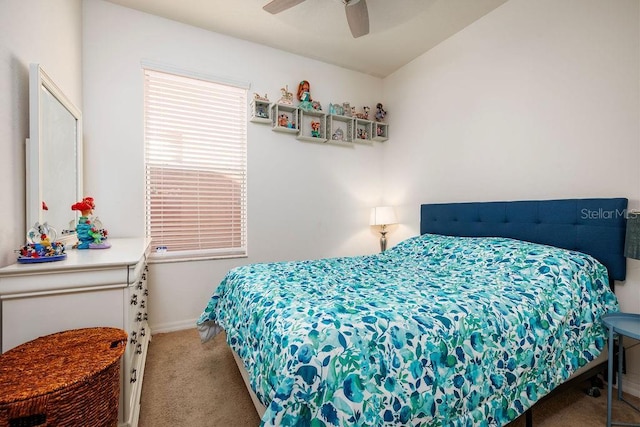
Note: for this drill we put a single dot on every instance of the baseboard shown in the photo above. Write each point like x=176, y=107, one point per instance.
x=630, y=386
x=159, y=328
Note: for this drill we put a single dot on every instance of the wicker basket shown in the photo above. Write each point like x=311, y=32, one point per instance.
x=70, y=378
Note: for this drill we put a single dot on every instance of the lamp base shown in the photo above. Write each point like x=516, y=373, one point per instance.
x=383, y=241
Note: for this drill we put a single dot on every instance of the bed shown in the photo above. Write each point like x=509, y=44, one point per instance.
x=487, y=311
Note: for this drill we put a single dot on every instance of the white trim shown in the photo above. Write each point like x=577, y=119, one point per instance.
x=167, y=68
x=173, y=326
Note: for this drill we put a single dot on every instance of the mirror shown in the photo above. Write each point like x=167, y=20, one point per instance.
x=53, y=156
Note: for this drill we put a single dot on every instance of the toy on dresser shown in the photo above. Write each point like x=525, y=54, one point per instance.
x=41, y=246
x=89, y=231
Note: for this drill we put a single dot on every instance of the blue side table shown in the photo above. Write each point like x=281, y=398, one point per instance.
x=620, y=324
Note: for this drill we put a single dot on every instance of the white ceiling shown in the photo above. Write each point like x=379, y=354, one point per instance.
x=400, y=30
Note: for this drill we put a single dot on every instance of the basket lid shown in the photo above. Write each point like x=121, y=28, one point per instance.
x=56, y=361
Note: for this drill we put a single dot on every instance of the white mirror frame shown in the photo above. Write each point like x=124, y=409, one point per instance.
x=34, y=171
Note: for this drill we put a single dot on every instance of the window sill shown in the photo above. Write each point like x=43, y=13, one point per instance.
x=168, y=258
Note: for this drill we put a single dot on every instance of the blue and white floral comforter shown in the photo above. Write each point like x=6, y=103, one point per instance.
x=437, y=331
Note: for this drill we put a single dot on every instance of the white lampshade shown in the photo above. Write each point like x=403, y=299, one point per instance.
x=383, y=215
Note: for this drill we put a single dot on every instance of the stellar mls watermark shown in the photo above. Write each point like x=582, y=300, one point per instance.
x=606, y=213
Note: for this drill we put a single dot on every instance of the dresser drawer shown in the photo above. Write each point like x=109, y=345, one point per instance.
x=30, y=317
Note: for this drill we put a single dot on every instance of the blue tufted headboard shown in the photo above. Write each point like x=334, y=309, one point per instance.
x=593, y=226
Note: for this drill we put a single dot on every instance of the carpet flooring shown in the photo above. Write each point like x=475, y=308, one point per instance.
x=187, y=383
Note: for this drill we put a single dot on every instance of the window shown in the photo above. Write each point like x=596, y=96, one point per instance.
x=195, y=165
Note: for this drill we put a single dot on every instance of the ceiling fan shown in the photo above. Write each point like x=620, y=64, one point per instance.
x=356, y=10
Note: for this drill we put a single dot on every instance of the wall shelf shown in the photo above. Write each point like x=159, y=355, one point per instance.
x=260, y=111
x=380, y=131
x=327, y=128
x=307, y=120
x=363, y=130
x=340, y=128
x=284, y=118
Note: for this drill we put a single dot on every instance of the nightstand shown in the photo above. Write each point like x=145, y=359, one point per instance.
x=622, y=325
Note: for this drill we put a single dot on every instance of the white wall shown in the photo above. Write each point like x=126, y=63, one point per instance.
x=305, y=200
x=536, y=100
x=32, y=31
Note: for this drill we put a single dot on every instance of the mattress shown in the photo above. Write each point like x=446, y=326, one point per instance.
x=437, y=331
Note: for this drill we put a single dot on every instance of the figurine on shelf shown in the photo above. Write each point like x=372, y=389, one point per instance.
x=362, y=134
x=304, y=96
x=380, y=112
x=304, y=93
x=363, y=115
x=257, y=97
x=283, y=120
x=287, y=97
x=89, y=236
x=336, y=109
x=346, y=107
x=315, y=129
x=338, y=135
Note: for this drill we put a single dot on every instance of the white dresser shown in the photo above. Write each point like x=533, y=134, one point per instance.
x=92, y=287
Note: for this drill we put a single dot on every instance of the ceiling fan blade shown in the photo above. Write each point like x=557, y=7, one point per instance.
x=357, y=17
x=277, y=6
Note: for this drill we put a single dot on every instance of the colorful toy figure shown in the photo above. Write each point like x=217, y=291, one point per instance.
x=315, y=129
x=41, y=245
x=89, y=236
x=336, y=109
x=283, y=120
x=380, y=112
x=304, y=93
x=304, y=96
x=363, y=115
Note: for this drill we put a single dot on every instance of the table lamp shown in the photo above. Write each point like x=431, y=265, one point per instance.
x=383, y=216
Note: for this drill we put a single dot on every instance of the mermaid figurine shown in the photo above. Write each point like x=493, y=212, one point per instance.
x=89, y=236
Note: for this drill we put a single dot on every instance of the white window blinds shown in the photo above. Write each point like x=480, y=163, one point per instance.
x=196, y=165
